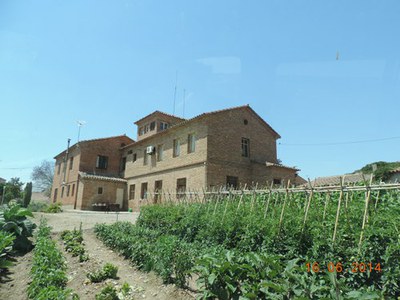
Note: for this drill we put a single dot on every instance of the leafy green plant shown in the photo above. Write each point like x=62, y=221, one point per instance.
x=48, y=269
x=54, y=208
x=106, y=272
x=6, y=243
x=108, y=293
x=13, y=219
x=73, y=241
x=257, y=248
x=37, y=206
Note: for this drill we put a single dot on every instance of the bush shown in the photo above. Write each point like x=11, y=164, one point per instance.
x=109, y=271
x=73, y=242
x=54, y=208
x=13, y=219
x=6, y=243
x=108, y=293
x=48, y=269
x=37, y=206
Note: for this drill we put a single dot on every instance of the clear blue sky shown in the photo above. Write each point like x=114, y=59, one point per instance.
x=110, y=63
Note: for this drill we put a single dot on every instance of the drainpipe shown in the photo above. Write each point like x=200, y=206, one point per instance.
x=66, y=161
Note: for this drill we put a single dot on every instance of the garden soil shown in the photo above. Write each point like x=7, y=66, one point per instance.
x=144, y=285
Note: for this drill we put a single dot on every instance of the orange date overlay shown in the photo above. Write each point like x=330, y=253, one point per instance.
x=355, y=267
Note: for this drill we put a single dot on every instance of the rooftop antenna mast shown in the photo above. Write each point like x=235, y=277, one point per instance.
x=176, y=86
x=184, y=96
x=80, y=124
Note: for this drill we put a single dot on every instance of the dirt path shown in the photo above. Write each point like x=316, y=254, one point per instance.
x=14, y=285
x=145, y=285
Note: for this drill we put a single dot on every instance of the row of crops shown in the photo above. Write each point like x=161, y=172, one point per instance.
x=272, y=246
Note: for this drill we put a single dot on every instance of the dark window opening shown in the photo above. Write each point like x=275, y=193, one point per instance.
x=101, y=162
x=73, y=189
x=123, y=163
x=68, y=190
x=245, y=147
x=55, y=195
x=143, y=192
x=131, y=192
x=191, y=143
x=71, y=163
x=157, y=191
x=245, y=122
x=100, y=190
x=134, y=157
x=232, y=182
x=152, y=125
x=180, y=187
x=277, y=181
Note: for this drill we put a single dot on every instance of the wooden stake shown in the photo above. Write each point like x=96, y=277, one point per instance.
x=338, y=210
x=308, y=205
x=367, y=197
x=328, y=197
x=284, y=205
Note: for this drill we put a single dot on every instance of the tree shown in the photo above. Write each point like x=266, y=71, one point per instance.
x=27, y=194
x=42, y=176
x=12, y=189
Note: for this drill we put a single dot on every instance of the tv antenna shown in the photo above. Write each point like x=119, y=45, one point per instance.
x=184, y=96
x=80, y=124
x=176, y=86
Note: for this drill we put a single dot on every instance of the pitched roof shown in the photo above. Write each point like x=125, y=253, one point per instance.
x=99, y=177
x=94, y=140
x=157, y=112
x=270, y=164
x=204, y=115
x=335, y=180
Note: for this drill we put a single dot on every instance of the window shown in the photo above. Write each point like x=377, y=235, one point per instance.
x=160, y=152
x=146, y=128
x=131, y=192
x=123, y=163
x=277, y=181
x=141, y=130
x=73, y=189
x=71, y=163
x=191, y=143
x=157, y=191
x=55, y=195
x=130, y=152
x=62, y=192
x=145, y=157
x=232, y=182
x=101, y=162
x=143, y=191
x=152, y=125
x=99, y=190
x=134, y=157
x=59, y=168
x=163, y=126
x=68, y=189
x=245, y=147
x=177, y=148
x=180, y=187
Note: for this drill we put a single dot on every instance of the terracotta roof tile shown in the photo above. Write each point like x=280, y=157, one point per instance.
x=335, y=180
x=99, y=177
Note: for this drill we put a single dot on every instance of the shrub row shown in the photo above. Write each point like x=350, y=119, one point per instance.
x=167, y=255
x=48, y=270
x=73, y=242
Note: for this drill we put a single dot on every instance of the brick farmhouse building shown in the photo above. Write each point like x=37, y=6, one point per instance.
x=231, y=147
